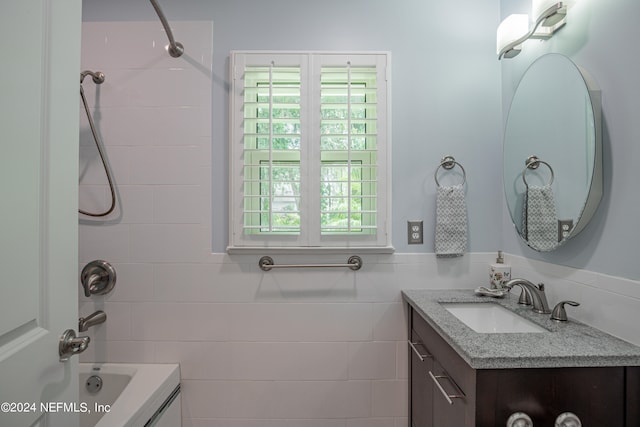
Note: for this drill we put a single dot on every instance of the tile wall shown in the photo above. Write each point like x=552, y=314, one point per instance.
x=283, y=348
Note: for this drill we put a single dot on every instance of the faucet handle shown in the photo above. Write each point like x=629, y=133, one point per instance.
x=525, y=297
x=559, y=313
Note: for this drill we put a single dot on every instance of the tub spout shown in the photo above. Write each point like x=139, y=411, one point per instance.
x=84, y=323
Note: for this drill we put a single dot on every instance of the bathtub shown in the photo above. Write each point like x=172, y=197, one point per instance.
x=130, y=395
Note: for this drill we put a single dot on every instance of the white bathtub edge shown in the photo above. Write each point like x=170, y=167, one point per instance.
x=149, y=387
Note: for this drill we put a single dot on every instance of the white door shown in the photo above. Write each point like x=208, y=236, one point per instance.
x=39, y=84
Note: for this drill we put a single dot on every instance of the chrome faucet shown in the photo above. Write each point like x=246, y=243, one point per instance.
x=70, y=344
x=84, y=323
x=536, y=292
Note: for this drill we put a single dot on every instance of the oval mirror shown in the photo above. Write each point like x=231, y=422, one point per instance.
x=553, y=152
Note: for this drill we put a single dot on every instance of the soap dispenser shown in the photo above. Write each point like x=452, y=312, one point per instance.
x=499, y=272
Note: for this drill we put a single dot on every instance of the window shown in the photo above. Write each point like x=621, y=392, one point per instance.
x=309, y=150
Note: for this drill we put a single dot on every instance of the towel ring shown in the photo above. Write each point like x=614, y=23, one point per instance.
x=448, y=162
x=533, y=162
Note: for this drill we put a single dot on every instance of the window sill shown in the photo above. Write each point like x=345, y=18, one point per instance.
x=279, y=250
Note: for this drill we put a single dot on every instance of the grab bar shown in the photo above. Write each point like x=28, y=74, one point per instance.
x=266, y=263
x=175, y=48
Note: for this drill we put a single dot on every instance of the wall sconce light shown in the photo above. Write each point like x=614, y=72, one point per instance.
x=509, y=32
x=549, y=15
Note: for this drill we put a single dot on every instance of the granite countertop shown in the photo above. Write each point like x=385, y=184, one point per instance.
x=567, y=344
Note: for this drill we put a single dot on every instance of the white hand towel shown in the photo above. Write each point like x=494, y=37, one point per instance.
x=451, y=221
x=540, y=222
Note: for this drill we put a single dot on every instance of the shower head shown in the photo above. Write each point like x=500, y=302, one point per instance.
x=96, y=76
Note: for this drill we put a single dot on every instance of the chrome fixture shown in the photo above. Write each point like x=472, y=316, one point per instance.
x=514, y=30
x=568, y=419
x=93, y=384
x=98, y=278
x=436, y=380
x=418, y=353
x=84, y=323
x=70, y=344
x=559, y=313
x=536, y=292
x=532, y=163
x=98, y=78
x=525, y=297
x=174, y=48
x=266, y=263
x=519, y=419
x=448, y=163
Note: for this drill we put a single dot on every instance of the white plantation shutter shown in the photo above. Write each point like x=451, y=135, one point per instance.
x=309, y=151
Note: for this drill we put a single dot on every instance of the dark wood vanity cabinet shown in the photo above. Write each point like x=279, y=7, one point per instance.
x=600, y=396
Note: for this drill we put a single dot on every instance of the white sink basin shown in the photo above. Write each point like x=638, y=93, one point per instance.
x=490, y=318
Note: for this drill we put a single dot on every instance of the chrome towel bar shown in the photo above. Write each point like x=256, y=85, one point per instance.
x=266, y=264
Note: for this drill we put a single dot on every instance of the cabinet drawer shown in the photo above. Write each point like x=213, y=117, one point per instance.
x=460, y=372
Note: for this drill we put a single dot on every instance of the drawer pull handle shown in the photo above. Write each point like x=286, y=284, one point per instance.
x=446, y=395
x=415, y=350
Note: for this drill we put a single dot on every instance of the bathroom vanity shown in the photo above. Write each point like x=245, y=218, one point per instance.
x=460, y=377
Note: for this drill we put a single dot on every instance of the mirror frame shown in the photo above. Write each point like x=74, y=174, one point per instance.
x=595, y=190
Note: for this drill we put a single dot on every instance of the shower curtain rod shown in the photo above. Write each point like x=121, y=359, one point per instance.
x=175, y=48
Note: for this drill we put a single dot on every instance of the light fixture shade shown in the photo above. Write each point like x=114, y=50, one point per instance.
x=511, y=29
x=539, y=7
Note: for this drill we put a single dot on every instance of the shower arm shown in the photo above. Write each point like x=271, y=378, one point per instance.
x=175, y=48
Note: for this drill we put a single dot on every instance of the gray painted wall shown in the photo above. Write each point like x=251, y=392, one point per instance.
x=601, y=38
x=445, y=89
x=450, y=96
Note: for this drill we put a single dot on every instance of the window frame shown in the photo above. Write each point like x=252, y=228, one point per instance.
x=310, y=237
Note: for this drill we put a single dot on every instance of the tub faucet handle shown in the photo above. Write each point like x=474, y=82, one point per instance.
x=98, y=278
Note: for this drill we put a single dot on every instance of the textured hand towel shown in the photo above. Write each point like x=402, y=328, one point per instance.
x=540, y=222
x=451, y=221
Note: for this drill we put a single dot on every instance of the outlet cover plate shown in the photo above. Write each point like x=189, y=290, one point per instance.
x=414, y=233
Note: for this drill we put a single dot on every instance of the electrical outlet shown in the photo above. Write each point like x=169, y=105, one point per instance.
x=564, y=228
x=414, y=232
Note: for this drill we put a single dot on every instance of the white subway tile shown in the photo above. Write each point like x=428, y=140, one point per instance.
x=402, y=357
x=181, y=322
x=199, y=360
x=91, y=167
x=243, y=422
x=302, y=322
x=299, y=361
x=372, y=422
x=277, y=399
x=178, y=204
x=166, y=243
x=115, y=351
x=135, y=204
x=389, y=398
x=389, y=322
x=165, y=165
x=372, y=360
x=118, y=325
x=100, y=240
